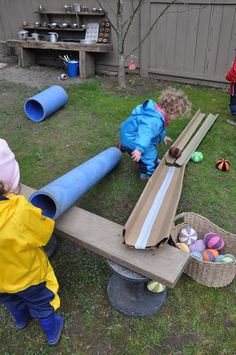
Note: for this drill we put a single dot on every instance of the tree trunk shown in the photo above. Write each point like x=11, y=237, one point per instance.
x=120, y=42
x=121, y=71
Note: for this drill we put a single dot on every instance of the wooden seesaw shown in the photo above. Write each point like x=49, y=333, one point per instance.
x=132, y=267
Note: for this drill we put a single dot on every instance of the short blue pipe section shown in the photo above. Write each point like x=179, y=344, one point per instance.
x=56, y=197
x=40, y=106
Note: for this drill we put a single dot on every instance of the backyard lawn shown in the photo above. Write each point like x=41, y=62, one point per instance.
x=194, y=319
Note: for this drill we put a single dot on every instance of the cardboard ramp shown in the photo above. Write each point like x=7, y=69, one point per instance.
x=150, y=223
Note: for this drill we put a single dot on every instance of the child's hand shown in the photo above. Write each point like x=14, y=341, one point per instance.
x=167, y=140
x=136, y=155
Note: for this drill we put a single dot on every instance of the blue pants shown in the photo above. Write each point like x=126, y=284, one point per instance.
x=35, y=298
x=149, y=158
x=232, y=105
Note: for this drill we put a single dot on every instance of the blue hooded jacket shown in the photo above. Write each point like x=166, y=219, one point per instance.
x=144, y=127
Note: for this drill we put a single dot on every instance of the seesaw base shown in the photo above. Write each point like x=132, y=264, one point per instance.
x=127, y=292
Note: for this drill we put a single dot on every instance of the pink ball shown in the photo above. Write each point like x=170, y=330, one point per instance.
x=213, y=241
x=199, y=246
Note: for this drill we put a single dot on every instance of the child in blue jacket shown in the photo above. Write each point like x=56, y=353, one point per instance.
x=146, y=127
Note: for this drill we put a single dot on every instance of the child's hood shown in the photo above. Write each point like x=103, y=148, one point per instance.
x=147, y=108
x=7, y=209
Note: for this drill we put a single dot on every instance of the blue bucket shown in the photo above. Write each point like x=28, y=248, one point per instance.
x=73, y=68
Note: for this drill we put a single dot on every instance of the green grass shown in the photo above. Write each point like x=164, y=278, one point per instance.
x=194, y=319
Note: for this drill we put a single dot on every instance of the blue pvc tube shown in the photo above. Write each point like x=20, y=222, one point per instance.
x=40, y=106
x=56, y=197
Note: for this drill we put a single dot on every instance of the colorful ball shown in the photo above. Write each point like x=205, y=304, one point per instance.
x=155, y=286
x=228, y=258
x=219, y=259
x=210, y=254
x=183, y=247
x=175, y=152
x=199, y=245
x=188, y=235
x=196, y=255
x=213, y=241
x=197, y=157
x=223, y=164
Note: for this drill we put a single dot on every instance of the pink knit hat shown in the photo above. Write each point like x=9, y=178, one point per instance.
x=9, y=168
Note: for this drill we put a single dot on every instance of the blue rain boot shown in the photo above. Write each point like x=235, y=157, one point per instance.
x=52, y=327
x=22, y=318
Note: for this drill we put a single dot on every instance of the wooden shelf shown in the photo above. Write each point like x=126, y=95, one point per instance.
x=70, y=13
x=54, y=29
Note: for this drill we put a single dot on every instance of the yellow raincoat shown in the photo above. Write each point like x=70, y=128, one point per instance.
x=23, y=263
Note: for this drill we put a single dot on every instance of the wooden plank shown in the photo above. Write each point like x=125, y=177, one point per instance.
x=184, y=137
x=187, y=153
x=104, y=237
x=72, y=46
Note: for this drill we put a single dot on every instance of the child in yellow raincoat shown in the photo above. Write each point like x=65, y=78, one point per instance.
x=28, y=285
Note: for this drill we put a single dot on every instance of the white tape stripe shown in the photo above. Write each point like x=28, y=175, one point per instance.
x=150, y=219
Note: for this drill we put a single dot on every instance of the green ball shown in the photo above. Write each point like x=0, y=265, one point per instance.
x=228, y=258
x=197, y=157
x=155, y=286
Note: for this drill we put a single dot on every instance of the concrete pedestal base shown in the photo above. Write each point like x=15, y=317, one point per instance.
x=127, y=292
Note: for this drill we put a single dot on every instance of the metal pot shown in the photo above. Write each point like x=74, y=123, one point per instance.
x=23, y=35
x=53, y=25
x=37, y=24
x=64, y=25
x=74, y=25
x=77, y=7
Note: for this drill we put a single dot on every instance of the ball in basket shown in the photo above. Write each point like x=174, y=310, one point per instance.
x=213, y=241
x=228, y=258
x=210, y=255
x=199, y=245
x=188, y=235
x=196, y=255
x=184, y=247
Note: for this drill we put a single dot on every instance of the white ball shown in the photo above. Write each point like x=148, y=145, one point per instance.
x=155, y=286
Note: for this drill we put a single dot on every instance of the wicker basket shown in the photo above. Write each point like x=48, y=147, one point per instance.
x=211, y=274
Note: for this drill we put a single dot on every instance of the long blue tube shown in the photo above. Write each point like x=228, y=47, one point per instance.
x=56, y=197
x=40, y=106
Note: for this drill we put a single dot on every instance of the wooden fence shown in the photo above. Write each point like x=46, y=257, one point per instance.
x=192, y=41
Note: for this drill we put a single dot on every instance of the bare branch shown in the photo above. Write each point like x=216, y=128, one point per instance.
x=151, y=28
x=131, y=20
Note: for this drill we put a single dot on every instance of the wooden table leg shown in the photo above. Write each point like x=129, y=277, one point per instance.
x=86, y=64
x=26, y=57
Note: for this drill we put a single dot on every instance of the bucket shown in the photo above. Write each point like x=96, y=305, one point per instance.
x=73, y=68
x=40, y=106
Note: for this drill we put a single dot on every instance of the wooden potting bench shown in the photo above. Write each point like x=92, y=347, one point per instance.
x=26, y=52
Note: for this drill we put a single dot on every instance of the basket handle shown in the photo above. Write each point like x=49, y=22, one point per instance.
x=179, y=219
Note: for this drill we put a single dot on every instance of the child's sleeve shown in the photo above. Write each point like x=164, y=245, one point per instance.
x=36, y=227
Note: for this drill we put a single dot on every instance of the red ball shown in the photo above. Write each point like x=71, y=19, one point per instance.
x=223, y=164
x=175, y=152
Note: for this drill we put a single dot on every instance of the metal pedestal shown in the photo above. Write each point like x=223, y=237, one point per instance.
x=127, y=292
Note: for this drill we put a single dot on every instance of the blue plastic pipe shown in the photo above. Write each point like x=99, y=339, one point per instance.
x=40, y=106
x=56, y=197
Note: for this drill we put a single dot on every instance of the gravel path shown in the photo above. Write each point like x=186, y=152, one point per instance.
x=35, y=76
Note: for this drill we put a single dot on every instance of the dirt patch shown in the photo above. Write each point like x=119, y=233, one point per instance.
x=35, y=76
x=42, y=76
